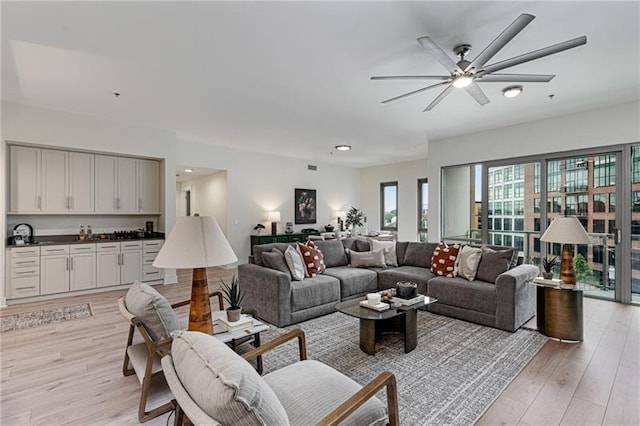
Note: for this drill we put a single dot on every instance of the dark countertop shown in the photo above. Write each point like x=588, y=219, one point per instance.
x=49, y=240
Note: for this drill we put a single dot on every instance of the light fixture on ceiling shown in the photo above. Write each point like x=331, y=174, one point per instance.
x=343, y=147
x=511, y=91
x=188, y=170
x=462, y=81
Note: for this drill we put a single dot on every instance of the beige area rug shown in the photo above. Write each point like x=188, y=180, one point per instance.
x=45, y=316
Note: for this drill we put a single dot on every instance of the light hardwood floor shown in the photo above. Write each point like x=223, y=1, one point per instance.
x=70, y=372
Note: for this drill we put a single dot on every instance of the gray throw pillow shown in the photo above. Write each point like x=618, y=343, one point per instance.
x=224, y=385
x=367, y=259
x=333, y=251
x=419, y=254
x=274, y=259
x=493, y=263
x=152, y=309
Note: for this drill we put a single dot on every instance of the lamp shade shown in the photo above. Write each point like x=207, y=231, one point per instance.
x=195, y=242
x=273, y=217
x=340, y=213
x=566, y=230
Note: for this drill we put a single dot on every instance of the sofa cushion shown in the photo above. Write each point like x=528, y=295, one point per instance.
x=367, y=259
x=224, y=385
x=444, y=259
x=314, y=292
x=312, y=257
x=475, y=295
x=259, y=249
x=354, y=280
x=152, y=309
x=494, y=263
x=333, y=251
x=388, y=278
x=389, y=250
x=294, y=261
x=418, y=254
x=349, y=244
x=309, y=390
x=362, y=244
x=467, y=262
x=274, y=259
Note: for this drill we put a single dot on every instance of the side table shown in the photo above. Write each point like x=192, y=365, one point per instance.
x=233, y=339
x=559, y=312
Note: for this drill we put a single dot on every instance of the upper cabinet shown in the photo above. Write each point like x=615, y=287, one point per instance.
x=60, y=182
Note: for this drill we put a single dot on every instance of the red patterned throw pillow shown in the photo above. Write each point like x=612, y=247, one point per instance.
x=313, y=259
x=444, y=259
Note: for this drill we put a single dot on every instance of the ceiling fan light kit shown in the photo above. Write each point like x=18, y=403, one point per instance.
x=343, y=147
x=467, y=74
x=511, y=91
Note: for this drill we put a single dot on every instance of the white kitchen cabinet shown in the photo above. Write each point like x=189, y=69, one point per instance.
x=116, y=183
x=81, y=182
x=119, y=263
x=150, y=249
x=83, y=268
x=23, y=272
x=54, y=269
x=55, y=181
x=149, y=186
x=25, y=179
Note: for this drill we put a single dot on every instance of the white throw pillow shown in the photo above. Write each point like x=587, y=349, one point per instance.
x=389, y=250
x=294, y=262
x=467, y=263
x=367, y=259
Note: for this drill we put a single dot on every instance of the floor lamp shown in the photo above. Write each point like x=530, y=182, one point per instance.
x=566, y=230
x=196, y=242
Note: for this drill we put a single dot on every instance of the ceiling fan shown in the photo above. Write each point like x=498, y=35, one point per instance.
x=467, y=75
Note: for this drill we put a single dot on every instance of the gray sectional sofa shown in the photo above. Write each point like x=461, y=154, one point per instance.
x=506, y=304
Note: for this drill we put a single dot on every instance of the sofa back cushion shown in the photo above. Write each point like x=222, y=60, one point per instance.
x=418, y=254
x=274, y=259
x=152, y=309
x=333, y=251
x=494, y=263
x=224, y=385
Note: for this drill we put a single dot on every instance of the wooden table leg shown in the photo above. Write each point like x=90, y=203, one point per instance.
x=410, y=330
x=368, y=336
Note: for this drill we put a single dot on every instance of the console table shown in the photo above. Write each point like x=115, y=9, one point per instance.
x=257, y=240
x=559, y=313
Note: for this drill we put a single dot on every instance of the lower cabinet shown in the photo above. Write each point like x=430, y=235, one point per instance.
x=82, y=271
x=54, y=273
x=119, y=263
x=65, y=268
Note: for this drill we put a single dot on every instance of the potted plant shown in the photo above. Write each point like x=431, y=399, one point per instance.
x=233, y=295
x=548, y=264
x=354, y=218
x=258, y=228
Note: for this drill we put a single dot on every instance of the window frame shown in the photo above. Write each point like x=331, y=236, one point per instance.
x=384, y=185
x=421, y=182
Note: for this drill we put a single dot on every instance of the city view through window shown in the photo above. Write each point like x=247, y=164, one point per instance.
x=584, y=187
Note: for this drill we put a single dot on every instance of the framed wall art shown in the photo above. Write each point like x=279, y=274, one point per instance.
x=305, y=206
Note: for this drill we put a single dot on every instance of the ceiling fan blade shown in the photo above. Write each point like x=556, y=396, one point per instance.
x=474, y=90
x=435, y=51
x=414, y=92
x=505, y=37
x=411, y=77
x=437, y=100
x=515, y=78
x=536, y=54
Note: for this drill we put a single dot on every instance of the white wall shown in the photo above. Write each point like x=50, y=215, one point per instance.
x=255, y=182
x=208, y=197
x=612, y=125
x=407, y=175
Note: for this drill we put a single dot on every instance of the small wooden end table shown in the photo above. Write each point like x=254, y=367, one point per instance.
x=239, y=337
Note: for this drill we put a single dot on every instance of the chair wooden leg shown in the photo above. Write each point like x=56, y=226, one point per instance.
x=179, y=416
x=143, y=414
x=126, y=371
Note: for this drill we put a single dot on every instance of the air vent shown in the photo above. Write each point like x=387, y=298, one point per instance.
x=312, y=167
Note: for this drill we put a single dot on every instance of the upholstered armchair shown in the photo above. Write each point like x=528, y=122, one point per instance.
x=148, y=312
x=214, y=385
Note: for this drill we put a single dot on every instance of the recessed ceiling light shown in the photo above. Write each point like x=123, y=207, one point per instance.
x=511, y=91
x=343, y=147
x=188, y=170
x=462, y=81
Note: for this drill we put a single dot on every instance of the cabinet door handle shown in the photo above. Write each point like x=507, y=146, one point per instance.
x=25, y=288
x=72, y=263
x=54, y=250
x=25, y=272
x=118, y=203
x=67, y=263
x=122, y=257
x=39, y=202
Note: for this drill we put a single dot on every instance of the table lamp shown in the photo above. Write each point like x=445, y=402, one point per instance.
x=340, y=214
x=274, y=218
x=196, y=242
x=566, y=230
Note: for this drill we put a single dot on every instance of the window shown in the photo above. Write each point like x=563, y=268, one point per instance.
x=612, y=202
x=597, y=254
x=572, y=205
x=518, y=190
x=612, y=226
x=635, y=201
x=604, y=170
x=508, y=208
x=423, y=208
x=635, y=164
x=518, y=172
x=598, y=226
x=536, y=205
x=536, y=178
x=507, y=174
x=507, y=225
x=518, y=224
x=497, y=208
x=536, y=224
x=507, y=191
x=576, y=175
x=518, y=208
x=553, y=176
x=389, y=205
x=497, y=176
x=518, y=243
x=583, y=205
x=599, y=203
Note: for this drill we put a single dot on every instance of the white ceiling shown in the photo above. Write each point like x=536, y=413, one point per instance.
x=292, y=78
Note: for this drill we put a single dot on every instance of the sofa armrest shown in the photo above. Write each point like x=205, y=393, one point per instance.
x=515, y=297
x=268, y=292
